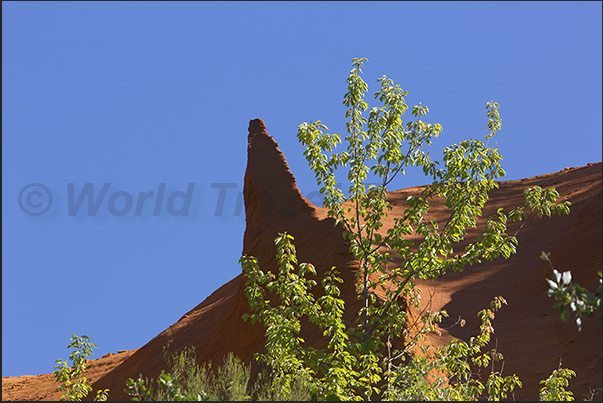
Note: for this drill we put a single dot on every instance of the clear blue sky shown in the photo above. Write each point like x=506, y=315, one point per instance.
x=138, y=94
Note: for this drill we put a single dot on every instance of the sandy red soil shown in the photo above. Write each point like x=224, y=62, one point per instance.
x=529, y=331
x=43, y=387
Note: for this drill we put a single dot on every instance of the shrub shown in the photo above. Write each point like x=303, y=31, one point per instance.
x=554, y=385
x=186, y=380
x=72, y=377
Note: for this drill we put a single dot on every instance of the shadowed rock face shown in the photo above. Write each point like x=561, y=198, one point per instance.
x=274, y=204
x=530, y=333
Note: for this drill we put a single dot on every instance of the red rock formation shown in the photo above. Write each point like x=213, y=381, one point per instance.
x=530, y=333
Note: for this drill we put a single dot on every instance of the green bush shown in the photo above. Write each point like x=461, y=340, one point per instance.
x=554, y=386
x=186, y=380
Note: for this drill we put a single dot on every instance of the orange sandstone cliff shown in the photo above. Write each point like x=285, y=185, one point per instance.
x=529, y=332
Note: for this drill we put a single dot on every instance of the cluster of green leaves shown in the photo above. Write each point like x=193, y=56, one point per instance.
x=383, y=146
x=554, y=386
x=71, y=377
x=572, y=296
x=342, y=370
x=447, y=373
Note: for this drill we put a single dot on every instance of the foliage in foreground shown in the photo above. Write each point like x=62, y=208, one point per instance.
x=71, y=378
x=554, y=386
x=445, y=375
x=186, y=380
x=421, y=379
x=572, y=296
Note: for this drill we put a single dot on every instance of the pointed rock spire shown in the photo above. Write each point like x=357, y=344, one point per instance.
x=272, y=198
x=274, y=204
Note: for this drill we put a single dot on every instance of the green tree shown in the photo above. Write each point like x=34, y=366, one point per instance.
x=382, y=146
x=72, y=377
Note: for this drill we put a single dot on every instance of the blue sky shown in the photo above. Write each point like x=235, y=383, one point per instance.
x=136, y=95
